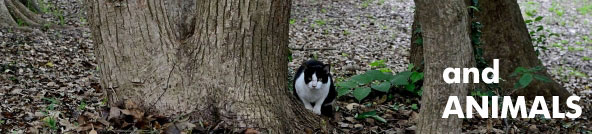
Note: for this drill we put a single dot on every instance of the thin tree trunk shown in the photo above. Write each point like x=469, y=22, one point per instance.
x=506, y=37
x=446, y=44
x=218, y=61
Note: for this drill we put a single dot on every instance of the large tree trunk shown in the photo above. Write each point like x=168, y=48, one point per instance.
x=218, y=61
x=446, y=44
x=505, y=37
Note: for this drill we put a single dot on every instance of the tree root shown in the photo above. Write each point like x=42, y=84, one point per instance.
x=21, y=15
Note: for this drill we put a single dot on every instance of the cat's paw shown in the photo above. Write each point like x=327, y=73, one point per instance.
x=308, y=107
x=318, y=112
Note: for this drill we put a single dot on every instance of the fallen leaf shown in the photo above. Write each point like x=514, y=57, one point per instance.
x=251, y=131
x=114, y=112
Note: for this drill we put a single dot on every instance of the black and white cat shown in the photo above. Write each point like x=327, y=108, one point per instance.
x=313, y=85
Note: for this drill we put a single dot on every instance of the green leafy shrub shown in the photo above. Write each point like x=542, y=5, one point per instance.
x=538, y=33
x=360, y=86
x=526, y=75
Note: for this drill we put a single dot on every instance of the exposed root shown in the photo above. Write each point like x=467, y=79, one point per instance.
x=32, y=5
x=21, y=15
x=5, y=17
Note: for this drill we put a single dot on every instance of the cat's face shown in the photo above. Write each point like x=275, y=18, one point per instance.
x=316, y=76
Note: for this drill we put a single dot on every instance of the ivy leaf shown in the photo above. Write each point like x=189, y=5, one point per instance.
x=542, y=78
x=374, y=74
x=361, y=79
x=377, y=75
x=342, y=91
x=382, y=87
x=401, y=78
x=361, y=93
x=347, y=84
x=529, y=14
x=410, y=88
x=415, y=76
x=414, y=106
x=540, y=28
x=528, y=21
x=525, y=80
x=539, y=18
x=517, y=85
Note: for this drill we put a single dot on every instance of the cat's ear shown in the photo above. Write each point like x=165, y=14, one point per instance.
x=327, y=68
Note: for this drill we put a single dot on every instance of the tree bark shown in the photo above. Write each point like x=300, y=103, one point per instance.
x=13, y=13
x=220, y=62
x=5, y=17
x=416, y=51
x=506, y=37
x=446, y=44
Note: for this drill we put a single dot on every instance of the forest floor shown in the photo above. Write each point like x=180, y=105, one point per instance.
x=49, y=79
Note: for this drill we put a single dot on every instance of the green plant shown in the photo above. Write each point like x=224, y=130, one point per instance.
x=49, y=120
x=414, y=106
x=2, y=121
x=292, y=21
x=45, y=7
x=61, y=18
x=82, y=105
x=526, y=75
x=586, y=9
x=290, y=58
x=104, y=102
x=364, y=84
x=586, y=58
x=366, y=3
x=539, y=34
x=555, y=7
x=320, y=22
x=370, y=114
x=380, y=65
x=346, y=32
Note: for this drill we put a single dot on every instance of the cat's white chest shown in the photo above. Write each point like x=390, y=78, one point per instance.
x=309, y=94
